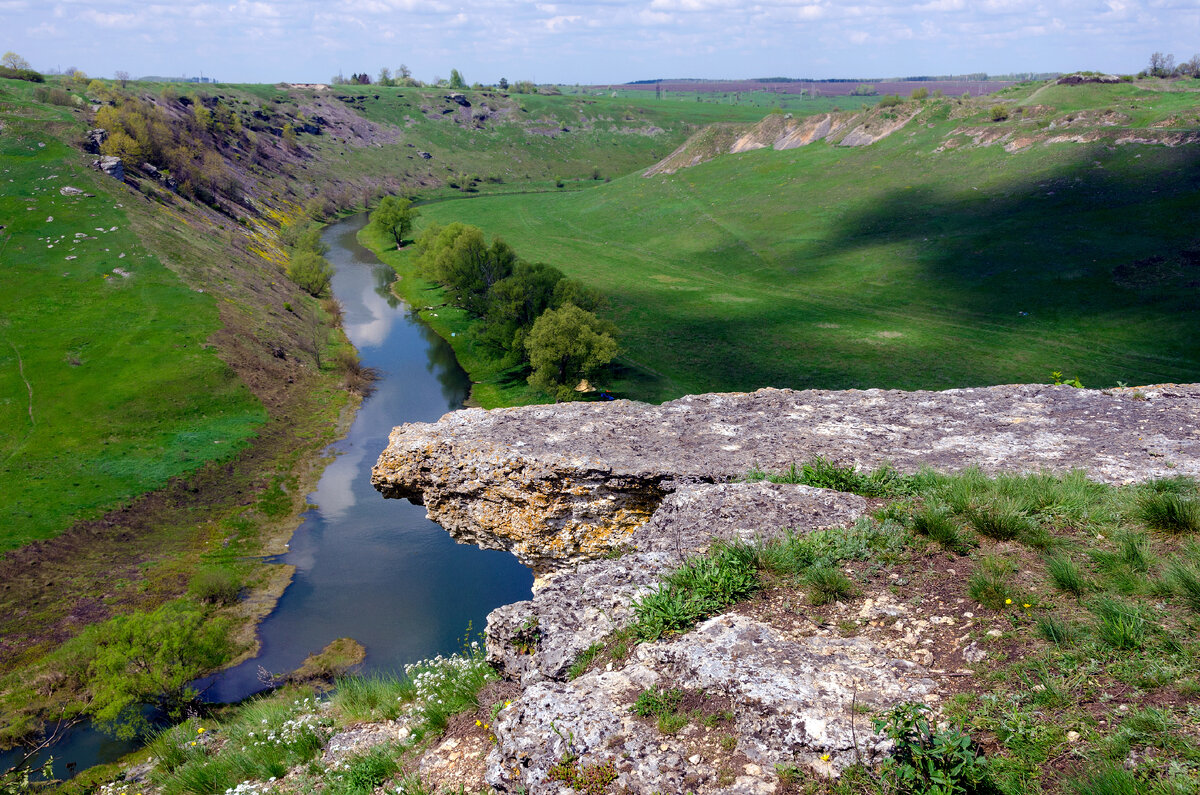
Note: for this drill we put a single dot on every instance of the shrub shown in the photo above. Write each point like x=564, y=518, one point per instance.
x=890, y=100
x=216, y=585
x=999, y=113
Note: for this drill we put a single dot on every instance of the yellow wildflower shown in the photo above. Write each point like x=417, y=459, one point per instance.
x=1008, y=601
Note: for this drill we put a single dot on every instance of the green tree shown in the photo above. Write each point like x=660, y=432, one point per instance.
x=503, y=84
x=144, y=657
x=566, y=345
x=395, y=217
x=516, y=301
x=14, y=61
x=920, y=93
x=310, y=271
x=456, y=80
x=385, y=76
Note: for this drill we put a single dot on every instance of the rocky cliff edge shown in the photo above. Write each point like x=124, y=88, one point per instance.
x=604, y=499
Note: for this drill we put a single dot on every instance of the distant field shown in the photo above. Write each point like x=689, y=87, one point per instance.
x=107, y=387
x=814, y=87
x=894, y=265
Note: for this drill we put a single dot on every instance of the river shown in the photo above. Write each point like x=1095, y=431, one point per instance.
x=374, y=570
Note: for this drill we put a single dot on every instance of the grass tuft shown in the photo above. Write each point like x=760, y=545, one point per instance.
x=1170, y=511
x=989, y=585
x=1120, y=624
x=1066, y=575
x=938, y=524
x=1002, y=519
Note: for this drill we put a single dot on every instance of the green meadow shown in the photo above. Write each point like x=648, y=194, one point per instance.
x=922, y=261
x=107, y=386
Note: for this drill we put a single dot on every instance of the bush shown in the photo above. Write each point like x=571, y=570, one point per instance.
x=999, y=113
x=21, y=74
x=891, y=100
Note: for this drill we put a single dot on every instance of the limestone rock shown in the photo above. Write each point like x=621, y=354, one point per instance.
x=571, y=609
x=555, y=484
x=792, y=702
x=112, y=166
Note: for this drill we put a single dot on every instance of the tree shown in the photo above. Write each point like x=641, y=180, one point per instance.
x=122, y=77
x=385, y=76
x=1191, y=68
x=517, y=300
x=14, y=61
x=395, y=216
x=310, y=271
x=566, y=345
x=1162, y=65
x=503, y=84
x=920, y=93
x=144, y=656
x=456, y=80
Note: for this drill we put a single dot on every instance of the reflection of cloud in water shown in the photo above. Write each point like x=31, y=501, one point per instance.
x=335, y=492
x=371, y=325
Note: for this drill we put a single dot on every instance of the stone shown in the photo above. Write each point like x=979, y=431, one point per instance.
x=790, y=706
x=558, y=483
x=111, y=166
x=573, y=608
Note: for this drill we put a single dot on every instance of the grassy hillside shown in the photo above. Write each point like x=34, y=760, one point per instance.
x=934, y=258
x=109, y=387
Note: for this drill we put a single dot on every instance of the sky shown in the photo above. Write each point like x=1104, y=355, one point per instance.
x=595, y=42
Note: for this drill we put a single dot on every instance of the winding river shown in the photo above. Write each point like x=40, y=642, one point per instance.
x=374, y=570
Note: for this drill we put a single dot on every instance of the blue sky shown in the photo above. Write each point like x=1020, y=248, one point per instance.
x=594, y=42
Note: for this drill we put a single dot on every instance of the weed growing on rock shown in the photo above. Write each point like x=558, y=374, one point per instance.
x=930, y=760
x=702, y=587
x=591, y=779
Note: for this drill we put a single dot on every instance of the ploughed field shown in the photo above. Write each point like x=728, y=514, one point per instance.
x=957, y=251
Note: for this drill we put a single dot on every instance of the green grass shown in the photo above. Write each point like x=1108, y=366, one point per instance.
x=893, y=265
x=109, y=385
